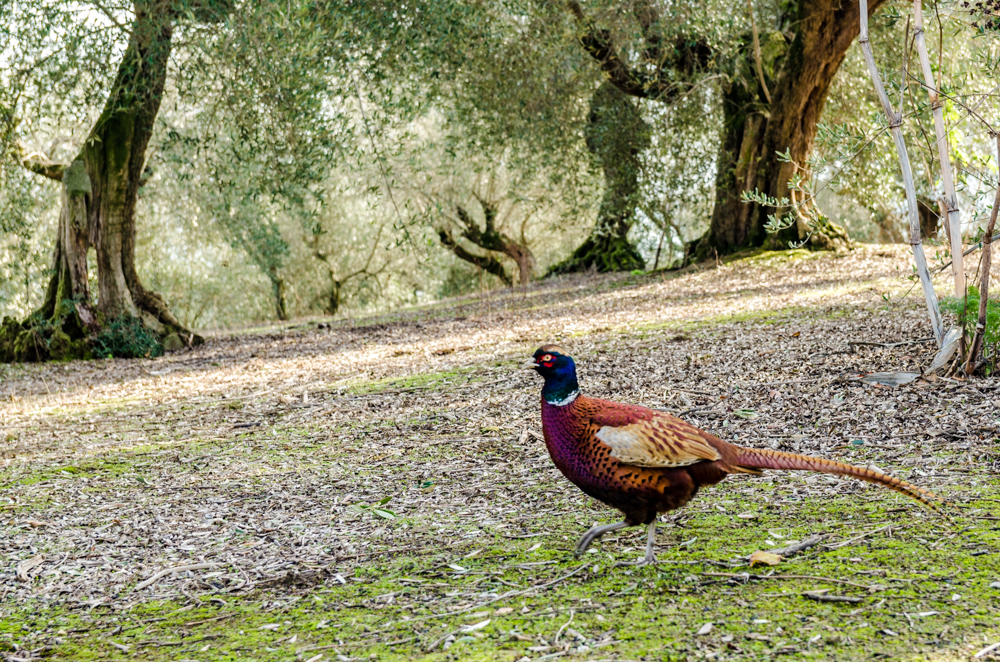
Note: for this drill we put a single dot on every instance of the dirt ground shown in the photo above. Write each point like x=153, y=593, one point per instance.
x=377, y=489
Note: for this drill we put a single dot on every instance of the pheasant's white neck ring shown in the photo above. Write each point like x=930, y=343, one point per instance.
x=565, y=401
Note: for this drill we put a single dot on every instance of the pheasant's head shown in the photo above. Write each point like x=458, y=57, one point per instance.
x=557, y=368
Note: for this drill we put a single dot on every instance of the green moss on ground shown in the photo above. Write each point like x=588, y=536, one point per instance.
x=923, y=593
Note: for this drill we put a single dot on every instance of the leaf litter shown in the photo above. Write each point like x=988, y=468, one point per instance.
x=276, y=464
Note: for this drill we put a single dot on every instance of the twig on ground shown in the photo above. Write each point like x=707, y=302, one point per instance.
x=563, y=628
x=747, y=576
x=169, y=571
x=209, y=620
x=986, y=651
x=800, y=546
x=844, y=543
x=505, y=596
x=889, y=344
x=823, y=597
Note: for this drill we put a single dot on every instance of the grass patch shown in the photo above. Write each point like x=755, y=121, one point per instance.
x=98, y=468
x=900, y=577
x=267, y=485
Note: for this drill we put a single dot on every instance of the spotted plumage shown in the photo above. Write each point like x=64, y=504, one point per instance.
x=644, y=462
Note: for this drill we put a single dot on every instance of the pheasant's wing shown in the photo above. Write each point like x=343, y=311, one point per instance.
x=647, y=438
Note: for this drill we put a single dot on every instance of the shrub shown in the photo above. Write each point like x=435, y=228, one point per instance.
x=126, y=337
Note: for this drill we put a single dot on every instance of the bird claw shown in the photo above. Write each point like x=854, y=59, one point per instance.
x=635, y=564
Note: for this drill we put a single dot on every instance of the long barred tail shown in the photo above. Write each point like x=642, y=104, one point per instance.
x=753, y=458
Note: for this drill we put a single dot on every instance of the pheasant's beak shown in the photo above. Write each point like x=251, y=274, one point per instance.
x=529, y=364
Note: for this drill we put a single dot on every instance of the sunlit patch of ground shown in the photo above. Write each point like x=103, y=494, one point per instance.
x=378, y=489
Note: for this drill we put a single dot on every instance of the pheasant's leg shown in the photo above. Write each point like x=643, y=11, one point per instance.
x=595, y=533
x=650, y=543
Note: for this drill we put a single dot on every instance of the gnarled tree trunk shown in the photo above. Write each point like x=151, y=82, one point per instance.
x=100, y=189
x=493, y=240
x=755, y=130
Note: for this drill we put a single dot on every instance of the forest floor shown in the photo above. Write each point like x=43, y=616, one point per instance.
x=376, y=489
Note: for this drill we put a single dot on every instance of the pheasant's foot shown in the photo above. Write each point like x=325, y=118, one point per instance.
x=650, y=557
x=636, y=564
x=593, y=534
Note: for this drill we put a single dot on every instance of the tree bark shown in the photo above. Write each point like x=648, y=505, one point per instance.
x=826, y=29
x=755, y=132
x=278, y=292
x=487, y=263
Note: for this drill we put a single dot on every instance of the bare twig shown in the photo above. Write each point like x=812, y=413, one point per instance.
x=844, y=543
x=800, y=546
x=823, y=597
x=169, y=571
x=748, y=576
x=984, y=283
x=986, y=651
x=756, y=53
x=563, y=628
x=889, y=344
x=505, y=596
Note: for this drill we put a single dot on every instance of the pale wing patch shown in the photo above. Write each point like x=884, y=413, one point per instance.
x=647, y=445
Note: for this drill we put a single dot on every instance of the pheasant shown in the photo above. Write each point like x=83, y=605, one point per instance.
x=644, y=462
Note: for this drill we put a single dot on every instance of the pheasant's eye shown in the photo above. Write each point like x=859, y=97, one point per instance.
x=547, y=358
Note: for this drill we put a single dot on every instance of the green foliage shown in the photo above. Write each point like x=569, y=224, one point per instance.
x=126, y=337
x=967, y=312
x=285, y=129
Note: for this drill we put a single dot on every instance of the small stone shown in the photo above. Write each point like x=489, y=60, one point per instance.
x=995, y=585
x=173, y=342
x=705, y=629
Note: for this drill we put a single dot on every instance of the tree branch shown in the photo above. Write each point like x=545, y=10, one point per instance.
x=486, y=263
x=688, y=55
x=756, y=52
x=111, y=17
x=984, y=284
x=39, y=163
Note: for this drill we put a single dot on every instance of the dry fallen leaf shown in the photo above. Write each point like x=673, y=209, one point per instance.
x=367, y=394
x=477, y=626
x=764, y=558
x=27, y=564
